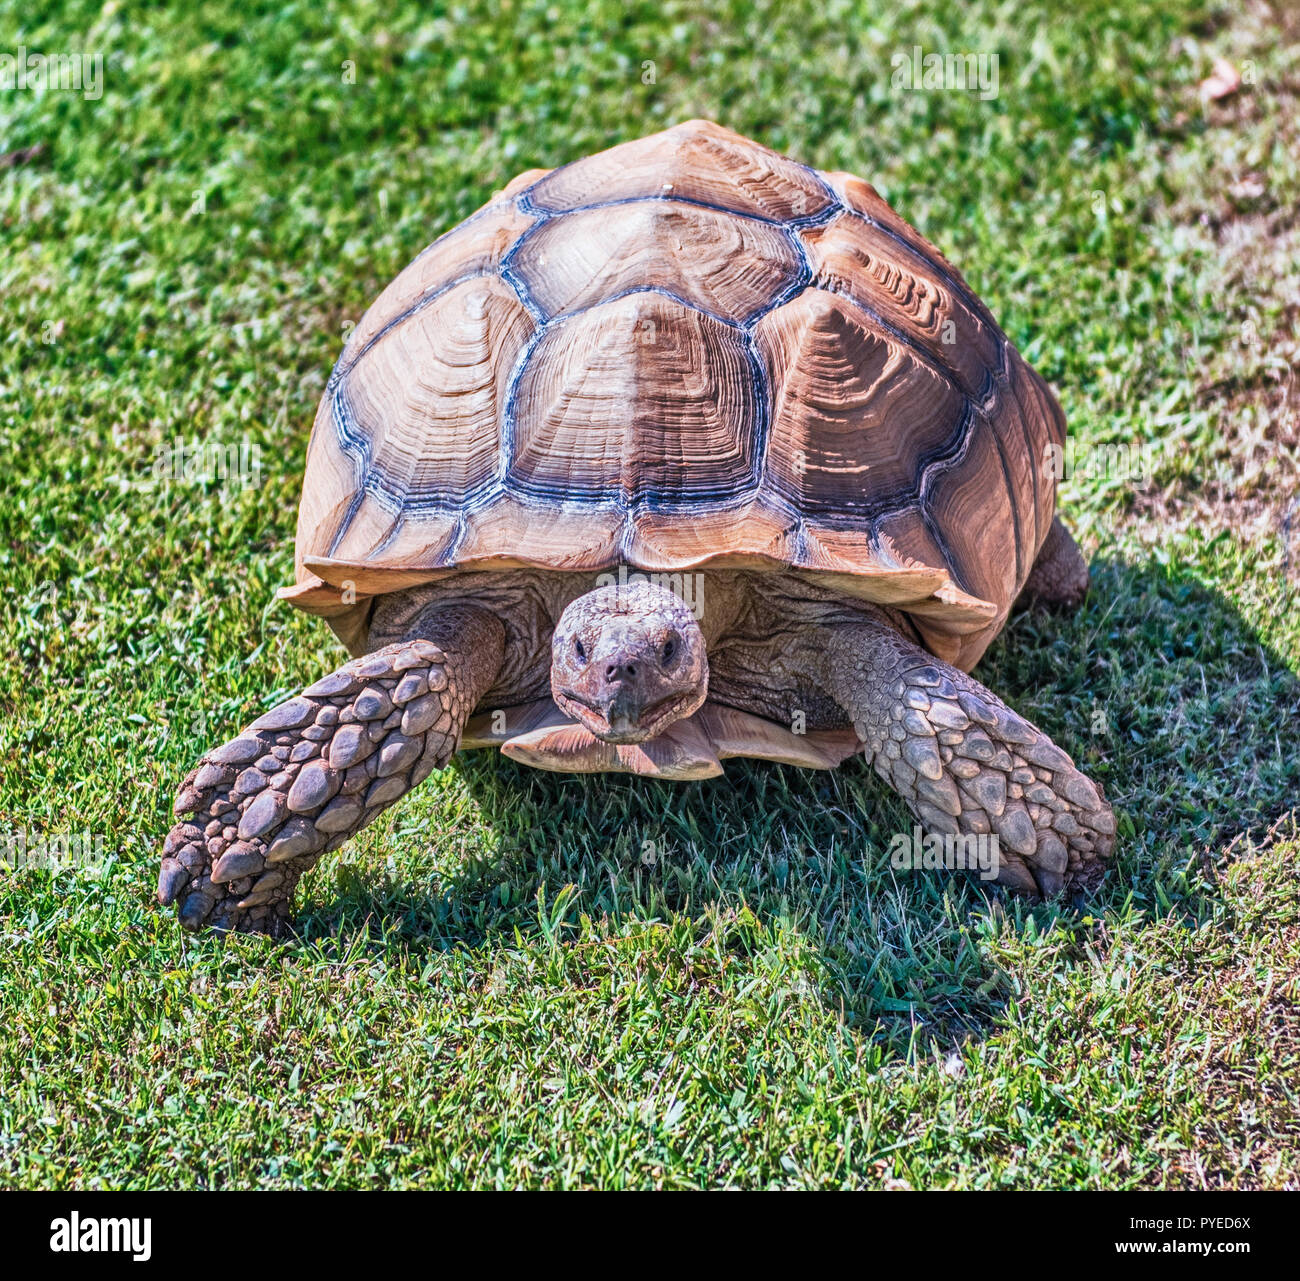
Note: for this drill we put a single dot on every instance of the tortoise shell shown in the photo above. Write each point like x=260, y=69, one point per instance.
x=685, y=351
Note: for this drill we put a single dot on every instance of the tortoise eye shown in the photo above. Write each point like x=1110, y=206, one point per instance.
x=577, y=649
x=670, y=648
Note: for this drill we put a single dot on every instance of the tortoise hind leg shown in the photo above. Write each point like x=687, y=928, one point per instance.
x=259, y=811
x=966, y=764
x=1060, y=574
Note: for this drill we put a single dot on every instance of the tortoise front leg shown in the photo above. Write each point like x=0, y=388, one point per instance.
x=259, y=811
x=966, y=763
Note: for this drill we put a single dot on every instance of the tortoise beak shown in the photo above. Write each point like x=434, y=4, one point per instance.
x=623, y=715
x=618, y=714
x=630, y=718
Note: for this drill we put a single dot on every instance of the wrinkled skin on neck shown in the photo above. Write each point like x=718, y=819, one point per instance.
x=628, y=661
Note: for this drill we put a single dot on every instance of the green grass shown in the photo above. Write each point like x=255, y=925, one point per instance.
x=493, y=985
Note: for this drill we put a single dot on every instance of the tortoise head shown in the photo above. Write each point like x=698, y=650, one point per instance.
x=628, y=661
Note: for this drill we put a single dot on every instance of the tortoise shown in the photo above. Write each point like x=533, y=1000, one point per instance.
x=679, y=452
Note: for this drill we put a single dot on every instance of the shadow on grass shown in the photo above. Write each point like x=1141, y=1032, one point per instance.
x=1157, y=688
